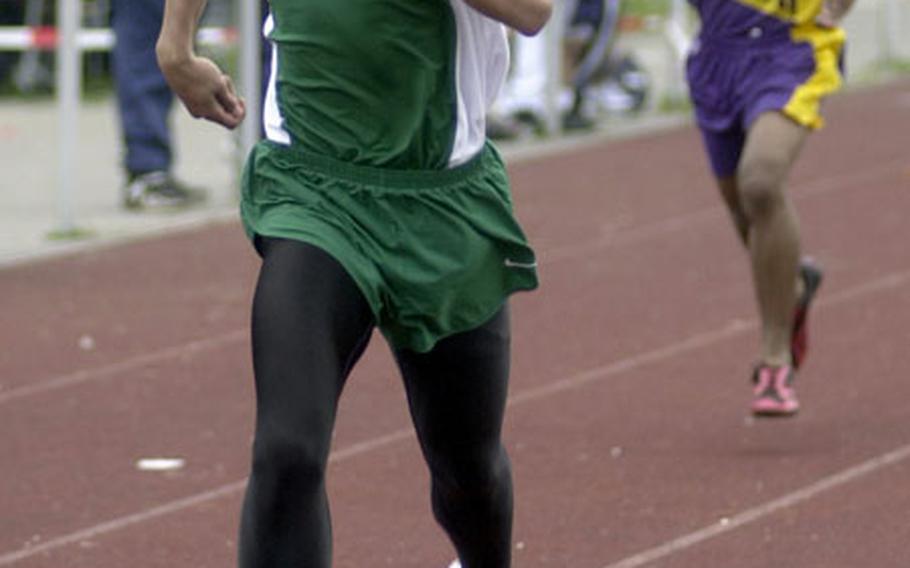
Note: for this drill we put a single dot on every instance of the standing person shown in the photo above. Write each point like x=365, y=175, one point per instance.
x=144, y=103
x=591, y=70
x=375, y=202
x=590, y=37
x=757, y=74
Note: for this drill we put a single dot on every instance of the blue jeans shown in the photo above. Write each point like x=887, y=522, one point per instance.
x=143, y=96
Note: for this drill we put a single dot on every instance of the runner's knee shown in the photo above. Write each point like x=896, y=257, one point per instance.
x=475, y=475
x=761, y=187
x=281, y=458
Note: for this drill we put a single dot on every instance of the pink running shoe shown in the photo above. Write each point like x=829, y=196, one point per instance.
x=811, y=275
x=774, y=394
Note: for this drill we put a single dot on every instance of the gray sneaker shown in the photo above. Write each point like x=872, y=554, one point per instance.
x=159, y=191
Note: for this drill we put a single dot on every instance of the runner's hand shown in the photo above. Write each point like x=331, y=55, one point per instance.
x=826, y=18
x=205, y=91
x=832, y=12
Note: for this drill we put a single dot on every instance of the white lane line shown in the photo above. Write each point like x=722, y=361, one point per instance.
x=692, y=343
x=124, y=366
x=641, y=233
x=661, y=229
x=859, y=179
x=761, y=511
x=121, y=522
x=699, y=340
x=227, y=490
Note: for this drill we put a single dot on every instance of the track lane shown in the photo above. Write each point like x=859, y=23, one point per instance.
x=835, y=232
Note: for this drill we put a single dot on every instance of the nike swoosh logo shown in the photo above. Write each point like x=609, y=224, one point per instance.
x=514, y=264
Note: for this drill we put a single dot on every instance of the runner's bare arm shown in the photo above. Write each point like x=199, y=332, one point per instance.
x=833, y=11
x=205, y=90
x=526, y=16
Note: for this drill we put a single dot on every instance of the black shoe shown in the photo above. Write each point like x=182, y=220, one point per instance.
x=159, y=191
x=811, y=274
x=503, y=128
x=575, y=121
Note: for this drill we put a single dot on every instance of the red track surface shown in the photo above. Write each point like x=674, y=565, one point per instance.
x=627, y=427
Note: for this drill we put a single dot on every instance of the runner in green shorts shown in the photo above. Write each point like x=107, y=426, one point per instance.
x=375, y=201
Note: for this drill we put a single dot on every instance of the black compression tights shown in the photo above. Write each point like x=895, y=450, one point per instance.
x=310, y=325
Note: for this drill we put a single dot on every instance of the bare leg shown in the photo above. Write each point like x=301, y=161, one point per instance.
x=773, y=239
x=729, y=190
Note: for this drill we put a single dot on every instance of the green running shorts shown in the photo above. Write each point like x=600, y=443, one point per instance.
x=434, y=252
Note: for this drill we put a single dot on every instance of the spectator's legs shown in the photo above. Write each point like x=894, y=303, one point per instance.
x=457, y=395
x=310, y=325
x=143, y=96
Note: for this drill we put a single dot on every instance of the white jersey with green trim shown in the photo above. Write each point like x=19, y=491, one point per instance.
x=401, y=84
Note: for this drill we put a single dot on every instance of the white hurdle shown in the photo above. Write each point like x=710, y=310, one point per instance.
x=47, y=38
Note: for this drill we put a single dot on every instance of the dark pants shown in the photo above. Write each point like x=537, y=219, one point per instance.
x=310, y=326
x=143, y=96
x=602, y=17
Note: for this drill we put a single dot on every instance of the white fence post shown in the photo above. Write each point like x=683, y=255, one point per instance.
x=250, y=73
x=554, y=32
x=68, y=84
